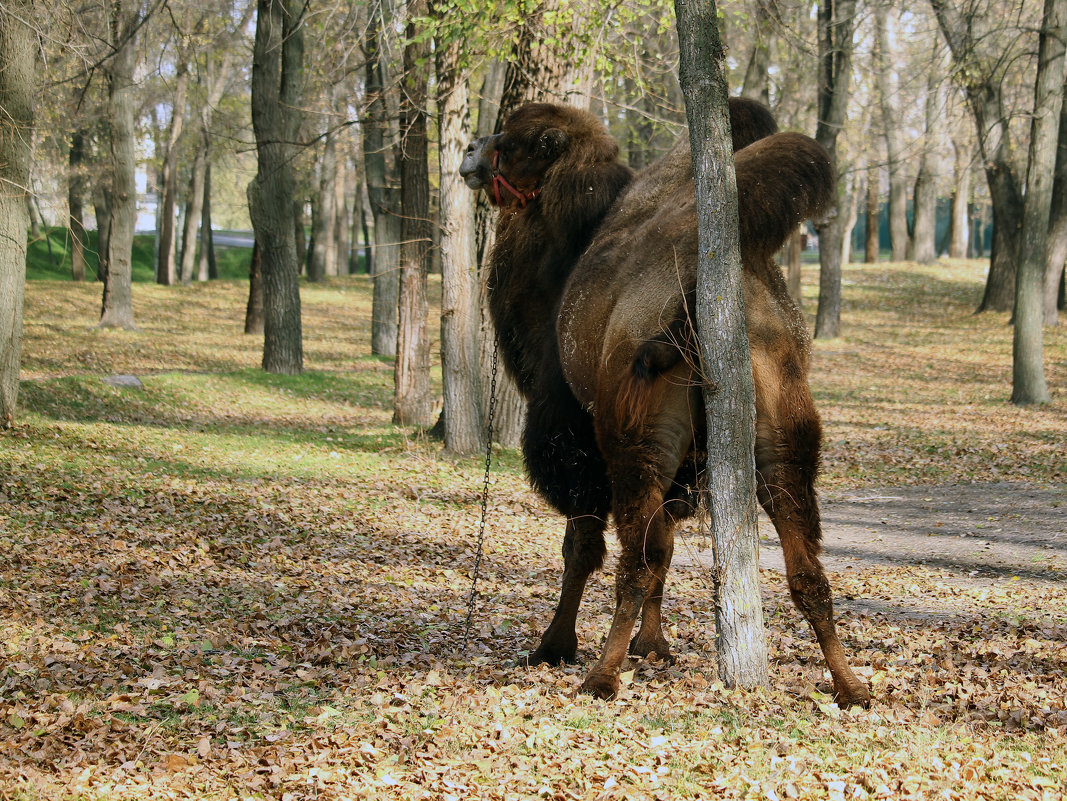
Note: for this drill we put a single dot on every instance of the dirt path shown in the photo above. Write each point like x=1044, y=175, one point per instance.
x=976, y=533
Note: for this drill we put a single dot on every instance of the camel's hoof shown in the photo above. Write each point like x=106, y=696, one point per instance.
x=547, y=655
x=853, y=694
x=654, y=650
x=600, y=686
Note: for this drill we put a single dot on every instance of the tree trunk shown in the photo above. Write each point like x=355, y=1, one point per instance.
x=837, y=20
x=1028, y=364
x=343, y=229
x=209, y=268
x=194, y=210
x=850, y=205
x=794, y=252
x=117, y=306
x=166, y=270
x=873, y=211
x=413, y=401
x=18, y=55
x=254, y=309
x=102, y=210
x=277, y=82
x=323, y=260
x=961, y=193
x=1056, y=246
x=986, y=100
x=898, y=193
x=75, y=197
x=464, y=429
x=384, y=196
x=923, y=244
x=731, y=409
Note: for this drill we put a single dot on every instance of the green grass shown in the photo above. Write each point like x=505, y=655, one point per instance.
x=55, y=264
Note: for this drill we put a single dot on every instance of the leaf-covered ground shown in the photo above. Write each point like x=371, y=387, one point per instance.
x=230, y=584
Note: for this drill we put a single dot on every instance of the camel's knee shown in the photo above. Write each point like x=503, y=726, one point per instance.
x=811, y=593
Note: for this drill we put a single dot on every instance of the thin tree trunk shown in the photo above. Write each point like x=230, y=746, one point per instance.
x=323, y=260
x=194, y=209
x=985, y=98
x=873, y=212
x=383, y=194
x=898, y=192
x=464, y=429
x=254, y=309
x=794, y=252
x=413, y=401
x=343, y=227
x=102, y=210
x=166, y=269
x=1028, y=363
x=851, y=205
x=741, y=642
x=1056, y=246
x=18, y=55
x=277, y=83
x=75, y=198
x=209, y=269
x=117, y=305
x=961, y=193
x=922, y=247
x=837, y=19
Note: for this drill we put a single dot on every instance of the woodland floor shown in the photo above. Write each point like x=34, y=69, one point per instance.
x=234, y=585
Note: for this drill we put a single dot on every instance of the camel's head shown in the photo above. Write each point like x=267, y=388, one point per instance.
x=511, y=165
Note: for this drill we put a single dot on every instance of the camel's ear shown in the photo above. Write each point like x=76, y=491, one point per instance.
x=551, y=144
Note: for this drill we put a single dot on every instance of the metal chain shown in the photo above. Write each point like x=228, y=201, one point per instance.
x=485, y=499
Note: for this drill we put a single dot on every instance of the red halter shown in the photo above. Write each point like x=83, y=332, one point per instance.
x=500, y=181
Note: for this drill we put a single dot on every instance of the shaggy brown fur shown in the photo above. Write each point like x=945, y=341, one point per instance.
x=616, y=420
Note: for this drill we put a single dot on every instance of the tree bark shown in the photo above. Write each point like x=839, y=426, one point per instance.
x=166, y=269
x=342, y=241
x=872, y=243
x=1028, y=363
x=961, y=193
x=985, y=98
x=323, y=260
x=75, y=198
x=117, y=305
x=1056, y=246
x=383, y=194
x=277, y=82
x=729, y=397
x=209, y=269
x=794, y=252
x=18, y=55
x=923, y=245
x=194, y=210
x=254, y=309
x=837, y=19
x=898, y=193
x=413, y=401
x=461, y=377
x=102, y=210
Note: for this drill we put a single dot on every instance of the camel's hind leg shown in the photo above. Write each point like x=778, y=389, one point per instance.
x=788, y=433
x=643, y=453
